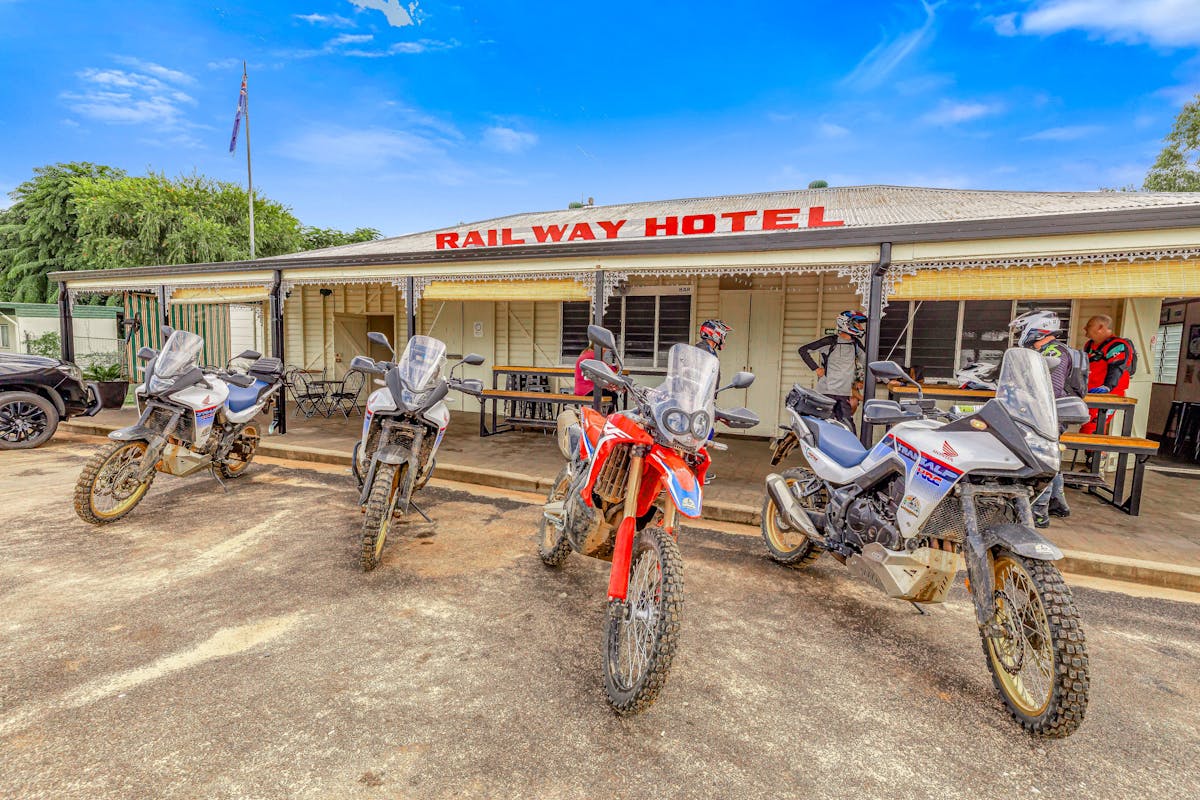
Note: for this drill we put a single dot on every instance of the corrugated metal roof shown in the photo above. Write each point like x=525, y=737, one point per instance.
x=855, y=206
x=51, y=310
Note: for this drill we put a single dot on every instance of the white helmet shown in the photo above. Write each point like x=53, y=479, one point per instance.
x=977, y=375
x=1033, y=326
x=852, y=322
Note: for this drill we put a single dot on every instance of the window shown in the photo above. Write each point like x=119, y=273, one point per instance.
x=985, y=332
x=646, y=322
x=893, y=333
x=1167, y=344
x=5, y=337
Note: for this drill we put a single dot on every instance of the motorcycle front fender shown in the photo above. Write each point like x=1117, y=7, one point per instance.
x=1022, y=540
x=132, y=434
x=393, y=455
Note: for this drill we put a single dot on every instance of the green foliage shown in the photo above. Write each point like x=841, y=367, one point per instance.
x=104, y=367
x=575, y=204
x=818, y=184
x=142, y=221
x=39, y=233
x=1177, y=168
x=48, y=344
x=316, y=238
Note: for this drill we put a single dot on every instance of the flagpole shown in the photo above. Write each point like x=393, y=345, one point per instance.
x=249, y=173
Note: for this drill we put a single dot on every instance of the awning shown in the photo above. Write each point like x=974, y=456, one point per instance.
x=501, y=290
x=221, y=294
x=1165, y=278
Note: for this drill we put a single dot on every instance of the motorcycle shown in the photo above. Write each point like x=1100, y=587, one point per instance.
x=403, y=426
x=191, y=419
x=940, y=490
x=627, y=476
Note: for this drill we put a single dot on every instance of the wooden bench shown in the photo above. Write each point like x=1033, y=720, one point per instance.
x=1124, y=446
x=513, y=419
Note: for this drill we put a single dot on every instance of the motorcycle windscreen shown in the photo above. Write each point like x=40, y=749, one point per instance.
x=421, y=362
x=683, y=403
x=180, y=354
x=1025, y=391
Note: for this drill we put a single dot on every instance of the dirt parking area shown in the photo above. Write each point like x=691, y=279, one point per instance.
x=225, y=645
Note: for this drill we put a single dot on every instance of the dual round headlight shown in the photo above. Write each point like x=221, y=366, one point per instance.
x=680, y=423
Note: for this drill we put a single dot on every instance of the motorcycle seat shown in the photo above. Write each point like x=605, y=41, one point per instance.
x=842, y=446
x=242, y=398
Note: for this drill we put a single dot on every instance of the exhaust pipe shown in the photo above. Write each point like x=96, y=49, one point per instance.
x=789, y=507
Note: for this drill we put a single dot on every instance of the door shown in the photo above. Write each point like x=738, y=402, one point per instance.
x=349, y=340
x=444, y=320
x=385, y=324
x=755, y=346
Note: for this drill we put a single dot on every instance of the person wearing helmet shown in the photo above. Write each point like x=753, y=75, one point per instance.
x=1038, y=331
x=712, y=336
x=842, y=365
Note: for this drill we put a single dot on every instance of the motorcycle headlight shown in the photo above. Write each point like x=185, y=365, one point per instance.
x=158, y=385
x=1045, y=450
x=676, y=422
x=701, y=424
x=411, y=399
x=72, y=371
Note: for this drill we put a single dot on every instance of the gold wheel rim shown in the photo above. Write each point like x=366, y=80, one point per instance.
x=120, y=506
x=779, y=536
x=550, y=533
x=238, y=466
x=1023, y=661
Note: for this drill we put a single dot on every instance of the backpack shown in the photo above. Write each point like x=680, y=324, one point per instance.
x=1077, y=378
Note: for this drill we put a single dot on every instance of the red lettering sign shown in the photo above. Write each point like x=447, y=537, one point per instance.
x=816, y=218
x=552, y=232
x=737, y=220
x=668, y=227
x=447, y=240
x=775, y=219
x=472, y=239
x=610, y=228
x=506, y=237
x=700, y=223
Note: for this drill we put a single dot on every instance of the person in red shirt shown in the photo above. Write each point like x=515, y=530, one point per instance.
x=582, y=384
x=1111, y=362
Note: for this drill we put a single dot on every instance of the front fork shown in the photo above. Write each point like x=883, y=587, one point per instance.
x=618, y=579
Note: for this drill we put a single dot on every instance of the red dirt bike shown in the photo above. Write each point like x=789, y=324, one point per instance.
x=627, y=475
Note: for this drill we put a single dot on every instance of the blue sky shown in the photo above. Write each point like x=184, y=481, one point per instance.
x=408, y=117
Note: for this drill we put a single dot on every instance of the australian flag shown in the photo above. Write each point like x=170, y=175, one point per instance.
x=241, y=110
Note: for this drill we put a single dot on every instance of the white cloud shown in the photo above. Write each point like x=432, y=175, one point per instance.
x=398, y=16
x=147, y=97
x=508, y=140
x=1167, y=23
x=349, y=38
x=224, y=63
x=326, y=20
x=1066, y=133
x=831, y=130
x=951, y=113
x=890, y=53
x=371, y=148
x=422, y=46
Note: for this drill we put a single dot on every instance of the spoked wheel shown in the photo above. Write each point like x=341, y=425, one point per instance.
x=26, y=420
x=785, y=545
x=381, y=506
x=641, y=632
x=1040, y=665
x=241, y=454
x=553, y=546
x=108, y=488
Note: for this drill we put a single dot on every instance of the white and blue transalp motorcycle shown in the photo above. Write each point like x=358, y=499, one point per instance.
x=940, y=491
x=402, y=428
x=190, y=420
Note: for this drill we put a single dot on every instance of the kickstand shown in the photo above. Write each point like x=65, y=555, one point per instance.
x=920, y=610
x=417, y=509
x=213, y=469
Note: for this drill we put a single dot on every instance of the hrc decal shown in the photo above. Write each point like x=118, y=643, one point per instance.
x=204, y=417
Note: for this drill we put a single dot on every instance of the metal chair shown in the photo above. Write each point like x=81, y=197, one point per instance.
x=345, y=397
x=309, y=400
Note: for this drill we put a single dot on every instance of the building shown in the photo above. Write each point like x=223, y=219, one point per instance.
x=948, y=268
x=95, y=329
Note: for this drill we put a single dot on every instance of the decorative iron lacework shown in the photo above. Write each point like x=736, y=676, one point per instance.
x=612, y=280
x=1059, y=260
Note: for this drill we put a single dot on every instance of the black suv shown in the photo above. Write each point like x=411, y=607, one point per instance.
x=37, y=392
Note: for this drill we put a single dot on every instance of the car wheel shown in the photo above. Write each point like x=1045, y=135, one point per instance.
x=26, y=420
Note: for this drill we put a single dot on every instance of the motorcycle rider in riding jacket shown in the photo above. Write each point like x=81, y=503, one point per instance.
x=1068, y=375
x=843, y=364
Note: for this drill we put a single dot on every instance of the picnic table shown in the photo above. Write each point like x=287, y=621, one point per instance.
x=1126, y=445
x=528, y=406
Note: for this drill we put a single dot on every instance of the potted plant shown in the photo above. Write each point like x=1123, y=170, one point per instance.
x=109, y=376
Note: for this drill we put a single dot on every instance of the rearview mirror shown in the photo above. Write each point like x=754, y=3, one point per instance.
x=889, y=371
x=602, y=337
x=380, y=339
x=740, y=381
x=1072, y=411
x=249, y=355
x=166, y=331
x=146, y=353
x=474, y=359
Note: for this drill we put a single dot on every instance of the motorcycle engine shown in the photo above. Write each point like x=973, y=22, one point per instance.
x=868, y=517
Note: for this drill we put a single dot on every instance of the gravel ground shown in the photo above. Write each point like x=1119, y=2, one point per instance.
x=225, y=645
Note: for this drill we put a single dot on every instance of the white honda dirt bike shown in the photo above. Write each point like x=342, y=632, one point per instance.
x=906, y=515
x=190, y=420
x=403, y=425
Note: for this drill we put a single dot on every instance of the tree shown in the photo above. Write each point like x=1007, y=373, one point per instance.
x=39, y=233
x=151, y=220
x=316, y=238
x=1177, y=168
x=818, y=184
